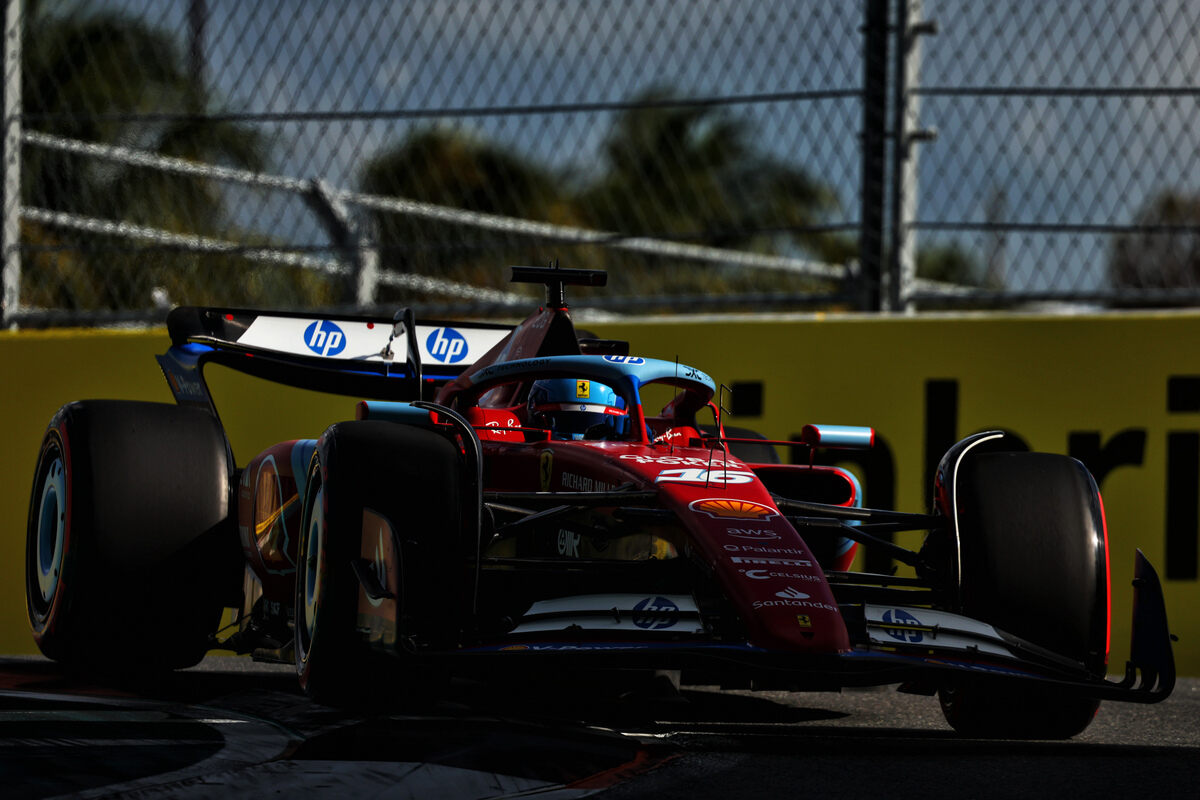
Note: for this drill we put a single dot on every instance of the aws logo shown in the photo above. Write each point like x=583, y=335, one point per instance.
x=324, y=338
x=446, y=345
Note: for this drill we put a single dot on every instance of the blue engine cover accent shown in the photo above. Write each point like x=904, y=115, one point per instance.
x=401, y=412
x=844, y=436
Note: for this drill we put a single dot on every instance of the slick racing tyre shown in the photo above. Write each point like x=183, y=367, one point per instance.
x=409, y=477
x=131, y=554
x=1033, y=563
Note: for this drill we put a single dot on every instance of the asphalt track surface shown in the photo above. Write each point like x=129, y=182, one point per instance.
x=234, y=729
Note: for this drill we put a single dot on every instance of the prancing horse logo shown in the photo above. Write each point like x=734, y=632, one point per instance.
x=545, y=469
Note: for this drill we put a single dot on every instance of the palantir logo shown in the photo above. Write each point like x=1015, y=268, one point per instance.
x=446, y=345
x=324, y=338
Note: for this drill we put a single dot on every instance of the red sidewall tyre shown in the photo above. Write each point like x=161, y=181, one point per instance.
x=1032, y=561
x=131, y=552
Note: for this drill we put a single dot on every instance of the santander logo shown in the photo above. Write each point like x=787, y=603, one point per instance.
x=792, y=594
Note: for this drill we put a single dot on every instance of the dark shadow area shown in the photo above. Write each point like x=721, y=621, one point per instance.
x=216, y=677
x=68, y=733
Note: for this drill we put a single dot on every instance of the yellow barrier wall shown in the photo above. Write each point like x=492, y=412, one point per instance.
x=1120, y=391
x=43, y=370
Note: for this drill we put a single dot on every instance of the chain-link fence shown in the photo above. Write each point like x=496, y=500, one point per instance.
x=1066, y=166
x=768, y=154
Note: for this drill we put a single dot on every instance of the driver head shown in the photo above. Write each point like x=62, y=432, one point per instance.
x=577, y=408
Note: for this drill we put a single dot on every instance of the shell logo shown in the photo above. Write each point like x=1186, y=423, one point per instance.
x=726, y=508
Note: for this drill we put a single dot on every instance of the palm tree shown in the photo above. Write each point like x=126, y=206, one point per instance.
x=449, y=167
x=104, y=78
x=952, y=263
x=668, y=171
x=1163, y=250
x=692, y=172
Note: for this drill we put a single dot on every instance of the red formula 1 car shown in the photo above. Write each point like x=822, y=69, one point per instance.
x=521, y=498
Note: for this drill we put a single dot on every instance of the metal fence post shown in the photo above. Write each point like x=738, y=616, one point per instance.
x=10, y=204
x=875, y=69
x=906, y=109
x=348, y=237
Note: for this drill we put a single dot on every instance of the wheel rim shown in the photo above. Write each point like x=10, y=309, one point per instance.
x=314, y=568
x=51, y=531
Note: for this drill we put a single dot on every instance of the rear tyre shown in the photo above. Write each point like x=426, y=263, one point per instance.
x=131, y=554
x=1033, y=563
x=410, y=477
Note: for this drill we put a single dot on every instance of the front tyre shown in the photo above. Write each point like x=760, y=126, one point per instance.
x=1015, y=711
x=326, y=652
x=1032, y=562
x=410, y=477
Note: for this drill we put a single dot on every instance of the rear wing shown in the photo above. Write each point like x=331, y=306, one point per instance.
x=360, y=356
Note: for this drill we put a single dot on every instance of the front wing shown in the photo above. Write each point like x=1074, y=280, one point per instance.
x=911, y=645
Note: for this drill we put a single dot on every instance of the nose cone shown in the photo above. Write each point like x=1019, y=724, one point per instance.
x=759, y=560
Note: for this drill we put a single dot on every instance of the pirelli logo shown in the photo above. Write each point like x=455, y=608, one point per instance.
x=772, y=562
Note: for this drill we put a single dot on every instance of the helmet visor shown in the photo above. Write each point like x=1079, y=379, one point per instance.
x=578, y=418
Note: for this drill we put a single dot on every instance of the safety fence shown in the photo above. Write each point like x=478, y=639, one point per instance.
x=789, y=154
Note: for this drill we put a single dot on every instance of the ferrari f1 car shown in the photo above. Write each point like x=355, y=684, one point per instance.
x=534, y=507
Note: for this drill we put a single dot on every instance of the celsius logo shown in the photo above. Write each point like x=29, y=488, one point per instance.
x=898, y=618
x=658, y=620
x=324, y=338
x=446, y=345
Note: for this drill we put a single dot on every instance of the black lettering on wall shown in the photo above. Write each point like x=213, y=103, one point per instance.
x=1126, y=448
x=747, y=400
x=1012, y=442
x=941, y=427
x=1183, y=505
x=1183, y=393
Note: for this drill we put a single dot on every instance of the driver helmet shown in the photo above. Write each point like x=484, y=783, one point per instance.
x=572, y=407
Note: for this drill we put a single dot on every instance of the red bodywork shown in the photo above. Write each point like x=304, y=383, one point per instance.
x=760, y=561
x=757, y=559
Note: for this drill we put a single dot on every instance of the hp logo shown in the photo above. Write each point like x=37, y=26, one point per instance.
x=324, y=338
x=899, y=617
x=655, y=621
x=446, y=345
